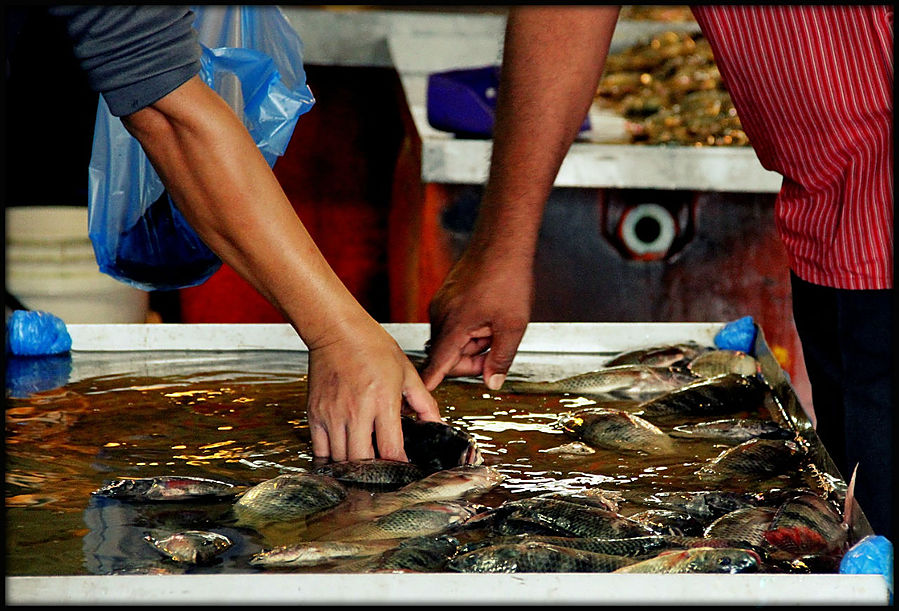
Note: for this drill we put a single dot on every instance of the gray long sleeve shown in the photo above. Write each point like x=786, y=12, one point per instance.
x=133, y=55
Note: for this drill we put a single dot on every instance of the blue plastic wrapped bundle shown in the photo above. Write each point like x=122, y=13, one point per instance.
x=737, y=335
x=873, y=555
x=34, y=333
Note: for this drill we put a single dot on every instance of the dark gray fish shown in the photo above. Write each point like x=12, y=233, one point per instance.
x=616, y=430
x=414, y=520
x=535, y=558
x=189, y=546
x=435, y=446
x=808, y=524
x=568, y=519
x=423, y=554
x=698, y=560
x=722, y=395
x=288, y=497
x=631, y=547
x=625, y=382
x=669, y=522
x=747, y=525
x=168, y=488
x=720, y=362
x=660, y=356
x=756, y=458
x=733, y=429
x=704, y=505
x=375, y=473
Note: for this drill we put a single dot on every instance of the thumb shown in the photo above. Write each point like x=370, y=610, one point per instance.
x=499, y=358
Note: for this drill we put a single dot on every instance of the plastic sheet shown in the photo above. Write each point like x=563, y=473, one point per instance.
x=36, y=333
x=252, y=57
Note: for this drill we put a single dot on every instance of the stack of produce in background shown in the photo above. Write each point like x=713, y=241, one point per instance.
x=670, y=91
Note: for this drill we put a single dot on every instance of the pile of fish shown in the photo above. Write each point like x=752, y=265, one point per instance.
x=422, y=516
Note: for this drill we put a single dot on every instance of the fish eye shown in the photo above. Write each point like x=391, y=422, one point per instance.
x=724, y=562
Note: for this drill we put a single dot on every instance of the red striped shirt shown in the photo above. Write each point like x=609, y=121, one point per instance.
x=813, y=86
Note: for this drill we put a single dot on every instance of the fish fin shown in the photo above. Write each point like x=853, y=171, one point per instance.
x=797, y=539
x=850, y=497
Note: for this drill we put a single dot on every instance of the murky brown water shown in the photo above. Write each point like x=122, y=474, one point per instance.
x=63, y=443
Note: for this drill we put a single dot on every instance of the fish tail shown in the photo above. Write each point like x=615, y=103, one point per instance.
x=850, y=497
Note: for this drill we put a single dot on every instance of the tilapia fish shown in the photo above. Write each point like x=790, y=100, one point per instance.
x=630, y=547
x=435, y=446
x=534, y=557
x=733, y=429
x=807, y=524
x=410, y=521
x=552, y=516
x=313, y=553
x=720, y=362
x=616, y=430
x=168, y=488
x=624, y=382
x=287, y=497
x=444, y=485
x=756, y=458
x=660, y=356
x=725, y=394
x=747, y=525
x=698, y=560
x=416, y=555
x=669, y=522
x=704, y=505
x=189, y=546
x=375, y=473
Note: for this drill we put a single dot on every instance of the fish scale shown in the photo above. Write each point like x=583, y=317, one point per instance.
x=535, y=558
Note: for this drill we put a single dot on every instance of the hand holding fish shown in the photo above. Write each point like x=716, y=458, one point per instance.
x=357, y=386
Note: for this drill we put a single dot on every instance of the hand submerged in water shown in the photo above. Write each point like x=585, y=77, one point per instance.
x=358, y=385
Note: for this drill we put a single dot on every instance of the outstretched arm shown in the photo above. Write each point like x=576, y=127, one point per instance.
x=358, y=375
x=552, y=62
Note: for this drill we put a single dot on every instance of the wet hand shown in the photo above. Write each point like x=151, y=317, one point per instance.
x=478, y=318
x=360, y=385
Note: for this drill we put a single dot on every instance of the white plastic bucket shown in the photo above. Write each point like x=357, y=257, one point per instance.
x=50, y=266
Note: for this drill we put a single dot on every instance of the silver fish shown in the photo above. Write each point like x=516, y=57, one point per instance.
x=287, y=497
x=698, y=560
x=168, y=488
x=624, y=382
x=616, y=430
x=660, y=356
x=444, y=485
x=733, y=429
x=313, y=553
x=720, y=362
x=190, y=546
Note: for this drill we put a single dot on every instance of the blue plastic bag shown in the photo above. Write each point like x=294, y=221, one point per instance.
x=36, y=333
x=253, y=59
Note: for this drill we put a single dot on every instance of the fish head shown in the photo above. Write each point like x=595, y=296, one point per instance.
x=124, y=488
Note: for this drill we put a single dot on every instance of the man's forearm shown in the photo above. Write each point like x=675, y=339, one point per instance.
x=552, y=61
x=225, y=189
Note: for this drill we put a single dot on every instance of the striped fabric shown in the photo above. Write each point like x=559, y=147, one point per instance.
x=813, y=86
